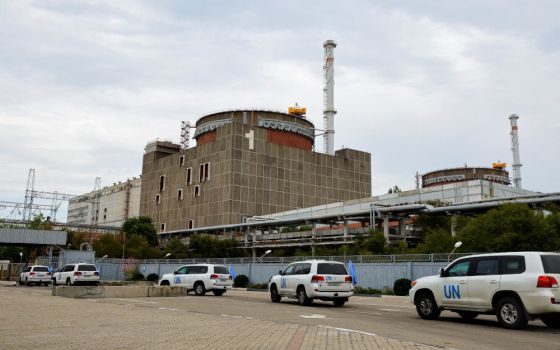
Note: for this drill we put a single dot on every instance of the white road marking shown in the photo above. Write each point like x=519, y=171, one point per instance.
x=366, y=313
x=313, y=316
x=168, y=309
x=348, y=330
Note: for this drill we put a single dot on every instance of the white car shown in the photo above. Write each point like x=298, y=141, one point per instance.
x=74, y=274
x=312, y=279
x=201, y=278
x=516, y=287
x=35, y=274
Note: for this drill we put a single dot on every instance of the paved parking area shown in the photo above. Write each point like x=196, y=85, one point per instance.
x=32, y=319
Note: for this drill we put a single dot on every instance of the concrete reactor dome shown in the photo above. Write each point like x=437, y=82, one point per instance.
x=281, y=128
x=446, y=176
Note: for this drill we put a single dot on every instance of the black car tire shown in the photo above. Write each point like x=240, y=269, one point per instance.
x=339, y=302
x=511, y=314
x=274, y=295
x=302, y=296
x=218, y=293
x=199, y=289
x=426, y=306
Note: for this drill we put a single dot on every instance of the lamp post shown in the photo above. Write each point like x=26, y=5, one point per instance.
x=457, y=245
x=20, y=257
x=265, y=254
x=159, y=263
x=103, y=257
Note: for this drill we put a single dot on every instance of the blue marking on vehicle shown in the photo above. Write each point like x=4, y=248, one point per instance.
x=282, y=282
x=177, y=280
x=328, y=278
x=452, y=291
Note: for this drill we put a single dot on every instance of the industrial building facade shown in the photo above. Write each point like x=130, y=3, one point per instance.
x=246, y=163
x=109, y=206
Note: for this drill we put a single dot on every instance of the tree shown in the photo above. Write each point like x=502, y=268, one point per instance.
x=376, y=243
x=205, y=246
x=511, y=227
x=108, y=244
x=177, y=249
x=141, y=226
x=39, y=223
x=139, y=248
x=436, y=241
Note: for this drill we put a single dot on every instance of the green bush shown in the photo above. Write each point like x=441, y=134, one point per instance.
x=137, y=276
x=258, y=285
x=241, y=281
x=360, y=290
x=402, y=286
x=153, y=277
x=387, y=291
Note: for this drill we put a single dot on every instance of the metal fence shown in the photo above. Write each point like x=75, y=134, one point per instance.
x=440, y=257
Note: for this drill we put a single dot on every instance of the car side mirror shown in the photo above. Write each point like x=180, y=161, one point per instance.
x=442, y=273
x=174, y=272
x=280, y=273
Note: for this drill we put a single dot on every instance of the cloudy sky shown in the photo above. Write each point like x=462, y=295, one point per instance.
x=421, y=85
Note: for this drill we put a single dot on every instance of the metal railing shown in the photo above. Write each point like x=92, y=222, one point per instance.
x=357, y=259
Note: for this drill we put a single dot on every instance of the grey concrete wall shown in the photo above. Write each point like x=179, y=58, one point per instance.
x=369, y=275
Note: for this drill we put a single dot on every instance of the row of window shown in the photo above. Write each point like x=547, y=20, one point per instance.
x=196, y=192
x=496, y=265
x=190, y=225
x=203, y=176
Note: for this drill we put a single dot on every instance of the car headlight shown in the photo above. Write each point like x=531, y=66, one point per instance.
x=413, y=283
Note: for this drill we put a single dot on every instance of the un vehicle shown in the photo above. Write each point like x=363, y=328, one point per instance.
x=516, y=287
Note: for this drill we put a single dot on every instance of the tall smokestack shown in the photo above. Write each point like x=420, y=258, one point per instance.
x=515, y=150
x=328, y=98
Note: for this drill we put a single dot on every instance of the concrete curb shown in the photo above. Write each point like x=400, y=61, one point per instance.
x=117, y=291
x=7, y=284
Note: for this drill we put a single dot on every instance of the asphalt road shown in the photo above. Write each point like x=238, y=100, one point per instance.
x=391, y=317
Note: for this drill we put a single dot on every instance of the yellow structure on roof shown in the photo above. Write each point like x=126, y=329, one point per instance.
x=499, y=165
x=297, y=110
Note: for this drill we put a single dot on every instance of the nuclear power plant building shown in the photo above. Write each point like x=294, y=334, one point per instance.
x=246, y=163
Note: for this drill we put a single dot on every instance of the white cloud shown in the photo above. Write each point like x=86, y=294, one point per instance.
x=84, y=85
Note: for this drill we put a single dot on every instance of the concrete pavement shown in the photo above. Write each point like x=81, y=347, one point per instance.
x=30, y=318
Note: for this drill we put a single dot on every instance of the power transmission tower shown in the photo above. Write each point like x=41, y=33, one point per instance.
x=29, y=193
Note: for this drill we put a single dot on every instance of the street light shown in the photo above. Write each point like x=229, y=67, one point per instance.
x=103, y=257
x=457, y=245
x=20, y=256
x=159, y=263
x=265, y=254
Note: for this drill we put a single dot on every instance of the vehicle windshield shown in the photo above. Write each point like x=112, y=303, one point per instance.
x=86, y=268
x=41, y=269
x=551, y=263
x=221, y=269
x=331, y=269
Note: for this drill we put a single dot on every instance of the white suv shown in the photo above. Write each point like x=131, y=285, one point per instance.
x=74, y=274
x=35, y=274
x=200, y=278
x=516, y=287
x=312, y=279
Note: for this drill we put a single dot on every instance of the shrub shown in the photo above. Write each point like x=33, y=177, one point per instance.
x=241, y=281
x=402, y=286
x=135, y=276
x=153, y=277
x=258, y=285
x=360, y=290
x=387, y=291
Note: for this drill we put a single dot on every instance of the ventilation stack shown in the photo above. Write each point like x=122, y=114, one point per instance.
x=328, y=98
x=515, y=150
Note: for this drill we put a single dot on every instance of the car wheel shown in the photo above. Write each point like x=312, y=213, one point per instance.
x=511, y=314
x=302, y=296
x=551, y=321
x=274, y=295
x=468, y=315
x=339, y=302
x=54, y=282
x=164, y=283
x=426, y=307
x=199, y=289
x=27, y=283
x=68, y=282
x=218, y=293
